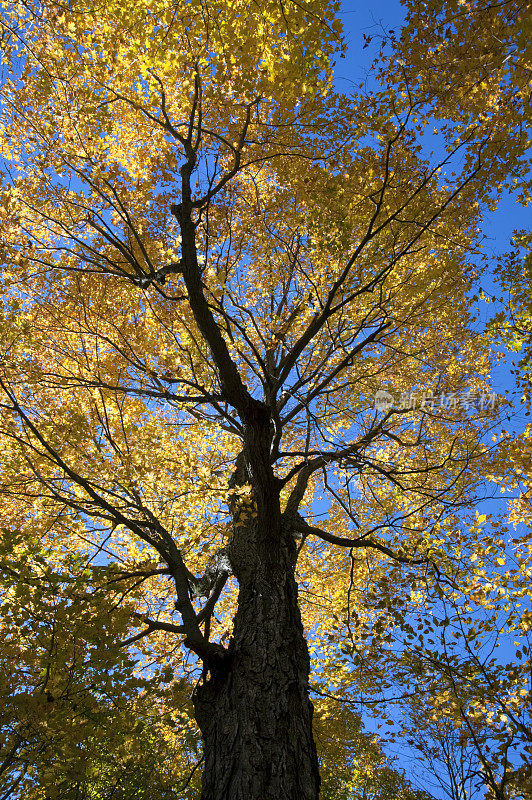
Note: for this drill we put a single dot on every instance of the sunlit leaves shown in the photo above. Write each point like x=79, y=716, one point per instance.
x=334, y=256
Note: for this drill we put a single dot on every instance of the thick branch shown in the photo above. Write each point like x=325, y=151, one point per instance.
x=233, y=388
x=307, y=468
x=360, y=542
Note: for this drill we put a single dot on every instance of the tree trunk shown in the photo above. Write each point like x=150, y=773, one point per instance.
x=254, y=712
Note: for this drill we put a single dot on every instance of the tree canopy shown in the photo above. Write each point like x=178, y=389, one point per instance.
x=245, y=393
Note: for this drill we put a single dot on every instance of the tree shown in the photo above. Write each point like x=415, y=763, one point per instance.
x=213, y=262
x=470, y=715
x=352, y=764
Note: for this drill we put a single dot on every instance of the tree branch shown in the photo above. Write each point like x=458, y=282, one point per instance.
x=360, y=542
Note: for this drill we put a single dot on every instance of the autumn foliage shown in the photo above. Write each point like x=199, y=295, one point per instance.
x=212, y=261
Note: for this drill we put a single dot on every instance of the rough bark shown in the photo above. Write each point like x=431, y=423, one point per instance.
x=254, y=711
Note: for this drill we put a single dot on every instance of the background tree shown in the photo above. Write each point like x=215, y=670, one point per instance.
x=469, y=715
x=212, y=263
x=352, y=764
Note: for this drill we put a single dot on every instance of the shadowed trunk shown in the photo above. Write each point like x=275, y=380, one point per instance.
x=255, y=715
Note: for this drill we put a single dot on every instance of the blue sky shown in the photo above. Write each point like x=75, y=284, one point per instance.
x=371, y=19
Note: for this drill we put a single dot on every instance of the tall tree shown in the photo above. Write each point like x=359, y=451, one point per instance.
x=213, y=264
